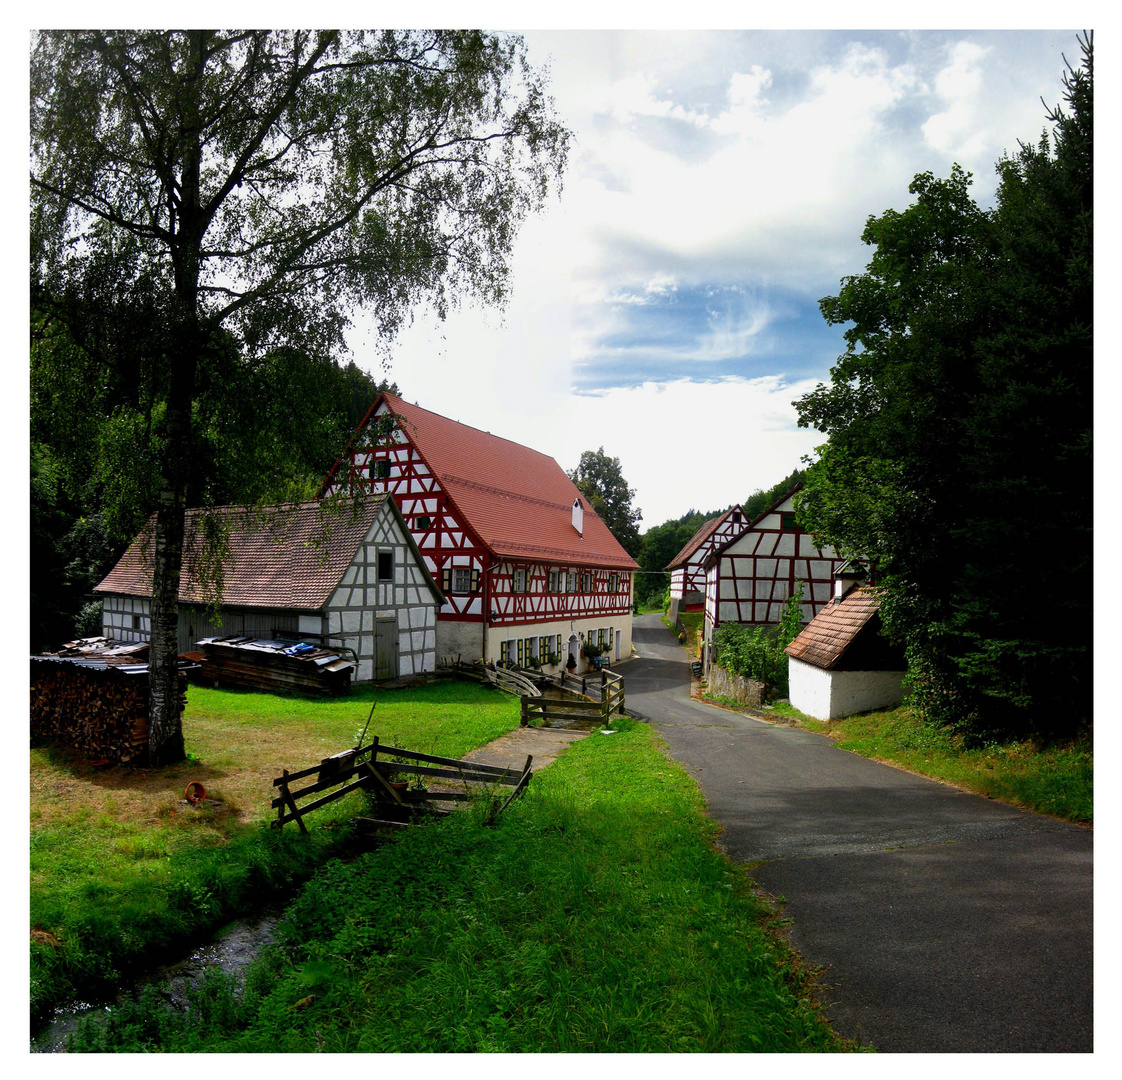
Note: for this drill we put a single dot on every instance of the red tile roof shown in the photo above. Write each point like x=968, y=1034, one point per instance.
x=518, y=501
x=830, y=633
x=279, y=556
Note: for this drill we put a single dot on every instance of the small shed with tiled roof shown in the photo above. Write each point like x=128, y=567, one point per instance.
x=841, y=664
x=341, y=574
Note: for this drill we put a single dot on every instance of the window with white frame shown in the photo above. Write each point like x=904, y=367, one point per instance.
x=520, y=580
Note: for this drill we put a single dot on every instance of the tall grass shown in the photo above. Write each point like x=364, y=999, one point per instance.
x=1056, y=779
x=595, y=915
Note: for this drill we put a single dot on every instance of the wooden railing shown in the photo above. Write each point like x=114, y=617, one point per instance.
x=549, y=709
x=379, y=768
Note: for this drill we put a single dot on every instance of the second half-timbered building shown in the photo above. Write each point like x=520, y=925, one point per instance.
x=529, y=573
x=750, y=577
x=687, y=568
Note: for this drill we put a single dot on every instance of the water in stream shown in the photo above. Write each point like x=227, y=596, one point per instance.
x=231, y=952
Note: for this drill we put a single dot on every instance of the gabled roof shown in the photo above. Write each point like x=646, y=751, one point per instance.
x=699, y=538
x=717, y=552
x=289, y=556
x=518, y=501
x=825, y=639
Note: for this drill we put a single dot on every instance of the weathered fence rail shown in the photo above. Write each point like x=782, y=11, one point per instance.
x=377, y=768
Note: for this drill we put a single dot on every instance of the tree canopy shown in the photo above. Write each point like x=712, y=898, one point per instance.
x=257, y=188
x=600, y=479
x=959, y=432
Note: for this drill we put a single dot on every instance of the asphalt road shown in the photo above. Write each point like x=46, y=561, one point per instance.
x=945, y=922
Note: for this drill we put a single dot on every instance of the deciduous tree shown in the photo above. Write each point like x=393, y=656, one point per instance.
x=270, y=184
x=959, y=432
x=600, y=479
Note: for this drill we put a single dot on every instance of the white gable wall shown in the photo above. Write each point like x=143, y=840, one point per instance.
x=364, y=599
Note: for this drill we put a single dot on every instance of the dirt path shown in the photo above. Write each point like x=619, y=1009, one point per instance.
x=543, y=743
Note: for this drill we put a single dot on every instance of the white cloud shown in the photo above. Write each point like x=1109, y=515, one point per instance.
x=955, y=131
x=712, y=159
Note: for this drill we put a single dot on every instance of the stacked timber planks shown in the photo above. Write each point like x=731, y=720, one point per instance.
x=94, y=705
x=268, y=665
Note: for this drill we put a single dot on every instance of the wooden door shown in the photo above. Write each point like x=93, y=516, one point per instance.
x=385, y=649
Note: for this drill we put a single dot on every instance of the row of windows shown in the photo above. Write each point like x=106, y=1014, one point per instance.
x=464, y=579
x=571, y=581
x=526, y=652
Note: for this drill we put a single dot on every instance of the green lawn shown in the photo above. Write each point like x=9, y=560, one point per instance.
x=594, y=916
x=123, y=872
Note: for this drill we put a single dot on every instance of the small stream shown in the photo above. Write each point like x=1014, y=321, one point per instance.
x=231, y=951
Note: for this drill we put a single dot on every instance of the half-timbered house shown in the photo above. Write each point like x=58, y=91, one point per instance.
x=351, y=578
x=529, y=573
x=750, y=578
x=687, y=568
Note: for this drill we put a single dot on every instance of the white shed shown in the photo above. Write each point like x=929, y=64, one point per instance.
x=348, y=576
x=840, y=664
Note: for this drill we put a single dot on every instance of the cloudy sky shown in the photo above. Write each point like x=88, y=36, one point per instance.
x=665, y=307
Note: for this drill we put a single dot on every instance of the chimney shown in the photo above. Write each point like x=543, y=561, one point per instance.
x=578, y=517
x=848, y=576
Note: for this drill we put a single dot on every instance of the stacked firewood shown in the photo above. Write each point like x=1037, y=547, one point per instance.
x=99, y=710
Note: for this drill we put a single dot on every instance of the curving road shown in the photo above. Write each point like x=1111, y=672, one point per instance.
x=945, y=922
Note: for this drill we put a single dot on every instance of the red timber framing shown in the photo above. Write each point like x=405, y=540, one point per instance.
x=750, y=578
x=502, y=550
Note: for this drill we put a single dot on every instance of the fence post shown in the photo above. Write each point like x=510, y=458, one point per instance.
x=283, y=795
x=525, y=711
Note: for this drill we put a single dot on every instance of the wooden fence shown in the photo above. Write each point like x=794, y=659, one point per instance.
x=547, y=709
x=379, y=769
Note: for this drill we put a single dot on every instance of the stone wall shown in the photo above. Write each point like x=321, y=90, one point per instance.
x=724, y=684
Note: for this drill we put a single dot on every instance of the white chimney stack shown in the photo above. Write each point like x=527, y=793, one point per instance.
x=578, y=517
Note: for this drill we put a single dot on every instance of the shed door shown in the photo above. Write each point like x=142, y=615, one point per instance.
x=385, y=649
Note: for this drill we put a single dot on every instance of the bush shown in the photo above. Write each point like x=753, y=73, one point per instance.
x=758, y=652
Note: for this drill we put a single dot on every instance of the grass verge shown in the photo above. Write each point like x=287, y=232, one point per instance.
x=1050, y=779
x=594, y=916
x=125, y=874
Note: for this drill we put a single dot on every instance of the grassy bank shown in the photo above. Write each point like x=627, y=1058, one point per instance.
x=124, y=873
x=1049, y=779
x=594, y=916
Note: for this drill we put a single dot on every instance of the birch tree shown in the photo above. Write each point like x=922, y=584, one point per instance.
x=273, y=184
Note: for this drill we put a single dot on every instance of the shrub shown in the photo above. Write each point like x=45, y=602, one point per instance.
x=758, y=652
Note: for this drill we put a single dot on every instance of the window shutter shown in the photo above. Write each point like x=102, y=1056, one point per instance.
x=446, y=580
x=475, y=581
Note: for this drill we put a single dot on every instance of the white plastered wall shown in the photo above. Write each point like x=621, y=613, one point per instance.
x=827, y=694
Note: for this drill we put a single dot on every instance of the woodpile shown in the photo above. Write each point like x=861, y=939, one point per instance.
x=95, y=706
